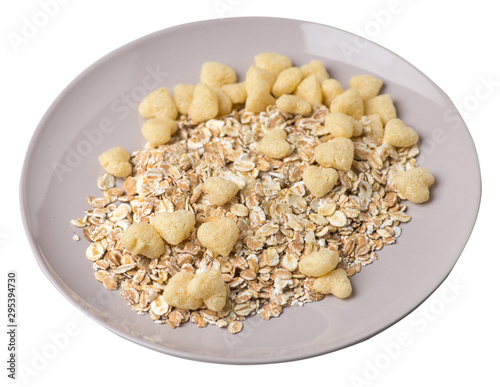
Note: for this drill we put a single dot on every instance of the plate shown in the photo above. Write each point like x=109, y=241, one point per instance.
x=98, y=110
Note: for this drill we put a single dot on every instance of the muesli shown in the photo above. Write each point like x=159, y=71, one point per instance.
x=252, y=196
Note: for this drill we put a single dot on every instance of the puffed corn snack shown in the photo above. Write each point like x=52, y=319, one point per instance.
x=116, y=162
x=413, y=184
x=335, y=282
x=337, y=153
x=142, y=238
x=319, y=180
x=205, y=104
x=396, y=133
x=320, y=263
x=329, y=280
x=175, y=226
x=383, y=106
x=219, y=235
x=287, y=81
x=211, y=288
x=216, y=74
x=220, y=190
x=342, y=125
x=309, y=89
x=350, y=103
x=158, y=131
x=191, y=291
x=274, y=144
x=158, y=103
x=176, y=292
x=293, y=105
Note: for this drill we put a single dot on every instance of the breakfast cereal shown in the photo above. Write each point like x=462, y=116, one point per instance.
x=252, y=195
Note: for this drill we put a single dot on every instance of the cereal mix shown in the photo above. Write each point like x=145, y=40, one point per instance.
x=252, y=195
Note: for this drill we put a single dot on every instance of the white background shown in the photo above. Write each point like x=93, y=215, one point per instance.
x=449, y=340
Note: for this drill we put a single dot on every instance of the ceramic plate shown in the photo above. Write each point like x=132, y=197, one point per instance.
x=98, y=110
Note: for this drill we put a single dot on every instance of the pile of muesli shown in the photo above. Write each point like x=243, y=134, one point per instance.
x=279, y=220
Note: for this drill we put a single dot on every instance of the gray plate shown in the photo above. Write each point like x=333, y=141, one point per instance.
x=98, y=110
